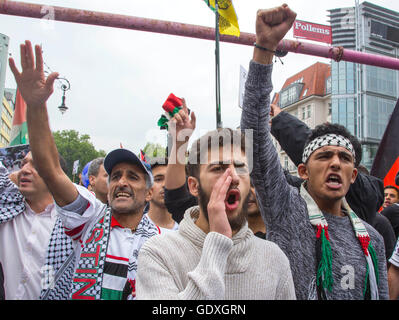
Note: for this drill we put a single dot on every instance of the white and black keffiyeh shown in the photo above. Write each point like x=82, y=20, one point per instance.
x=12, y=202
x=58, y=268
x=329, y=139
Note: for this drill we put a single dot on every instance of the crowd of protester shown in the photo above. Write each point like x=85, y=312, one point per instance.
x=220, y=219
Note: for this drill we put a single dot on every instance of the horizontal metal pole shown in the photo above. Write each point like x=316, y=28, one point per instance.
x=39, y=11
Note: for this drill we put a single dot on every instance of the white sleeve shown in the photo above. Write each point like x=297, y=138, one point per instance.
x=395, y=255
x=78, y=216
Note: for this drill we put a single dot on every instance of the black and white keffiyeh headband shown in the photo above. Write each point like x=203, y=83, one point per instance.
x=329, y=139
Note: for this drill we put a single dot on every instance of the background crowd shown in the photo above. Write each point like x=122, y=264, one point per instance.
x=220, y=219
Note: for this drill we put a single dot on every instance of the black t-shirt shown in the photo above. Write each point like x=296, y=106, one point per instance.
x=384, y=227
x=2, y=293
x=392, y=213
x=177, y=201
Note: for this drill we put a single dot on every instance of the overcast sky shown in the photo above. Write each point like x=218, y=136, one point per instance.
x=120, y=78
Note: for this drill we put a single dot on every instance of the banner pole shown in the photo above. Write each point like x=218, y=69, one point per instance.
x=217, y=69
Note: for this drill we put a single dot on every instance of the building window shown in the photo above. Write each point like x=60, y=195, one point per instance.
x=284, y=98
x=286, y=163
x=290, y=94
x=378, y=113
x=303, y=113
x=381, y=80
x=308, y=111
x=328, y=85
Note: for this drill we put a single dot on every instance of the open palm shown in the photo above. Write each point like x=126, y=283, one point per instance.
x=32, y=83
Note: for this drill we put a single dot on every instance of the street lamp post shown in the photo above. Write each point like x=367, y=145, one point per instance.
x=64, y=88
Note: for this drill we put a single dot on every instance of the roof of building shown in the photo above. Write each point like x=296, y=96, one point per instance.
x=313, y=79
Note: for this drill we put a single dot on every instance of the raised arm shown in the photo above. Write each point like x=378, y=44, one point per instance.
x=35, y=88
x=181, y=127
x=267, y=174
x=177, y=196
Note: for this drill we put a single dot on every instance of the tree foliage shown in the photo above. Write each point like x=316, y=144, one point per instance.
x=74, y=146
x=153, y=150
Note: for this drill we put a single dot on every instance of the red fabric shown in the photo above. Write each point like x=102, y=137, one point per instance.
x=364, y=242
x=171, y=103
x=20, y=110
x=319, y=229
x=115, y=223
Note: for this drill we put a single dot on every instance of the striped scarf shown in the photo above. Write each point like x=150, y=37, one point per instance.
x=324, y=277
x=94, y=278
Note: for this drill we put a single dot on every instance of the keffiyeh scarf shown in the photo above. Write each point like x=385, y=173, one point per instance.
x=86, y=281
x=329, y=139
x=12, y=202
x=324, y=277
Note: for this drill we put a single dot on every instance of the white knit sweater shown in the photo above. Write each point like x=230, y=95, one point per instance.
x=191, y=265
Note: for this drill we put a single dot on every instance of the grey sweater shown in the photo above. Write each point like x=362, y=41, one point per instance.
x=285, y=211
x=189, y=264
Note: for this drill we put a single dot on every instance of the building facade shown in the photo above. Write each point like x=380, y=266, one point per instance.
x=307, y=96
x=7, y=108
x=7, y=113
x=4, y=40
x=363, y=96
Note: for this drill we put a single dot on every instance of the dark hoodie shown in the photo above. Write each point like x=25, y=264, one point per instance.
x=365, y=195
x=2, y=294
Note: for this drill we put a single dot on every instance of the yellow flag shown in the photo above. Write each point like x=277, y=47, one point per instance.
x=228, y=23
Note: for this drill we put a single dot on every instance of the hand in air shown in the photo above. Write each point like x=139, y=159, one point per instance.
x=35, y=88
x=272, y=25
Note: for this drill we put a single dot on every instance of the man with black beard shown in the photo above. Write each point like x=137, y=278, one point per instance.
x=214, y=255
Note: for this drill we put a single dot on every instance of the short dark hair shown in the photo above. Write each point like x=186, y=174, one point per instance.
x=211, y=139
x=338, y=129
x=363, y=169
x=158, y=161
x=94, y=167
x=392, y=187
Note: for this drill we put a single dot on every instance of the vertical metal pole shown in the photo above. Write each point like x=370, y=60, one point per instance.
x=217, y=66
x=169, y=144
x=358, y=78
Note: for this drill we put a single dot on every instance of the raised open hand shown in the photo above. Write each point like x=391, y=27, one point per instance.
x=32, y=82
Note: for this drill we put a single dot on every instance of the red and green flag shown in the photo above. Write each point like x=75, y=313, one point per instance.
x=19, y=130
x=386, y=161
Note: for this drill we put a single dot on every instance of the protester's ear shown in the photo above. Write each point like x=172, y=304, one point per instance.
x=92, y=180
x=354, y=175
x=303, y=171
x=193, y=185
x=149, y=194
